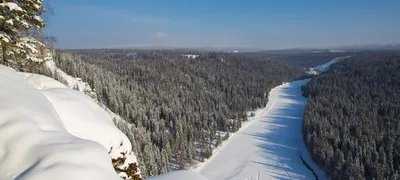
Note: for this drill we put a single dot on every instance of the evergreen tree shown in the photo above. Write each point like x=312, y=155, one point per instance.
x=174, y=107
x=354, y=110
x=17, y=18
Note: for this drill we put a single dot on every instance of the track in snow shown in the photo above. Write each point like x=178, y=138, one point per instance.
x=268, y=147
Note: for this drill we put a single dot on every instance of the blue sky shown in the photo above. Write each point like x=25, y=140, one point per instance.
x=262, y=24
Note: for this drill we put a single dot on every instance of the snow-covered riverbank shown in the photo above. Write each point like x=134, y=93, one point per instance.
x=270, y=146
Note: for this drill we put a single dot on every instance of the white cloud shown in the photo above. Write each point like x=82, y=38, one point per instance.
x=160, y=35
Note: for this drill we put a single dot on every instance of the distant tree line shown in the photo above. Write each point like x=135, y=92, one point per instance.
x=352, y=119
x=300, y=58
x=177, y=109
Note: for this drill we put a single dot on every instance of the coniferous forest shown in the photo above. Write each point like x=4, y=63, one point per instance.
x=352, y=119
x=300, y=58
x=176, y=108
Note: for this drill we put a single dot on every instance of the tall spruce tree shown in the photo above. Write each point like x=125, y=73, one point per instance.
x=18, y=19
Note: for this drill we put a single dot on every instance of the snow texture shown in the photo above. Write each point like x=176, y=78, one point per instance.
x=42, y=82
x=186, y=175
x=116, y=143
x=34, y=143
x=83, y=117
x=269, y=146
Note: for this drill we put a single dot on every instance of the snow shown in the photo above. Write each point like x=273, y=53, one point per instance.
x=270, y=145
x=42, y=82
x=10, y=22
x=38, y=18
x=83, y=117
x=322, y=68
x=11, y=6
x=191, y=56
x=325, y=67
x=37, y=6
x=34, y=143
x=4, y=37
x=71, y=82
x=73, y=107
x=189, y=175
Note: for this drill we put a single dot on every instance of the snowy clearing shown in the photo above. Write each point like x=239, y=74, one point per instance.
x=35, y=145
x=270, y=146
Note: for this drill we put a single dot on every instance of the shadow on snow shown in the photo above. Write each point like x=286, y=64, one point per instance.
x=281, y=144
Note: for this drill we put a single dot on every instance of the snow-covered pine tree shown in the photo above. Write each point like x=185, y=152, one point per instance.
x=18, y=19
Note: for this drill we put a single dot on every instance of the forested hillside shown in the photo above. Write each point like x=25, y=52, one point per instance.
x=179, y=108
x=352, y=120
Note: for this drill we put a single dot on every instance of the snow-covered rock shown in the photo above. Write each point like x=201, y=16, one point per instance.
x=34, y=143
x=84, y=118
x=71, y=82
x=78, y=110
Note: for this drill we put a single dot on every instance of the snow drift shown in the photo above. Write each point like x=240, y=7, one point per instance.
x=84, y=118
x=79, y=113
x=34, y=143
x=42, y=82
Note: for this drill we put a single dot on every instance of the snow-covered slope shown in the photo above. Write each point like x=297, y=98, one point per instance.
x=34, y=143
x=71, y=82
x=84, y=118
x=42, y=82
x=270, y=146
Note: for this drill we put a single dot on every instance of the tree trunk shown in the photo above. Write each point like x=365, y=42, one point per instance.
x=4, y=49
